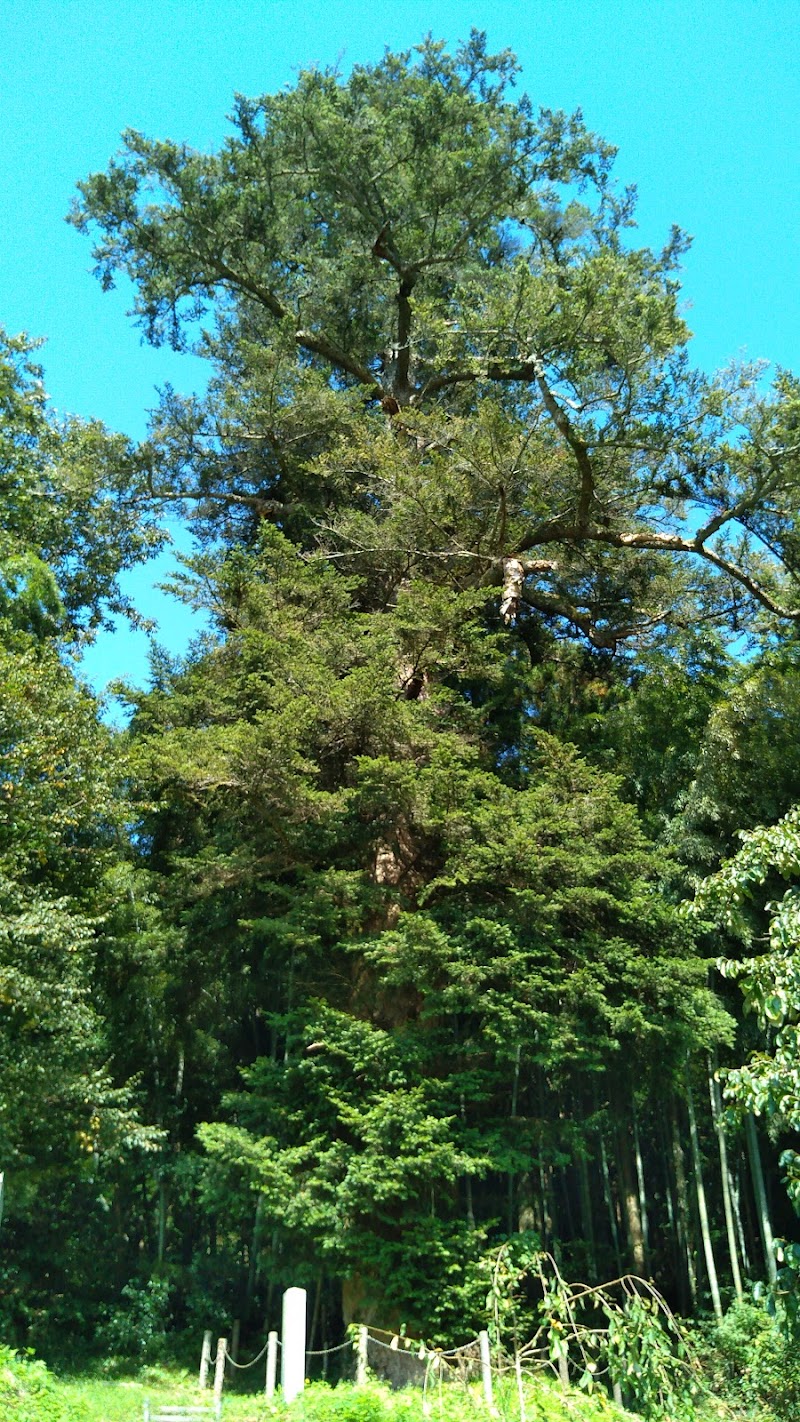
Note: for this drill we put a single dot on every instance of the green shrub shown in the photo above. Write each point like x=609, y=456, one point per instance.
x=452, y=1403
x=28, y=1393
x=750, y=1362
x=137, y=1327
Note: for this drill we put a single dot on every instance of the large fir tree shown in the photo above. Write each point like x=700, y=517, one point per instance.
x=452, y=472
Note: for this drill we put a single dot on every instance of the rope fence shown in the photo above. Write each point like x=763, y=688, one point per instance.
x=579, y=1341
x=244, y=1366
x=326, y=1352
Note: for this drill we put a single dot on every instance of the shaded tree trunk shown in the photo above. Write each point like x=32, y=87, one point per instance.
x=630, y=1201
x=760, y=1193
x=641, y=1183
x=705, y=1232
x=727, y=1200
x=587, y=1220
x=609, y=1199
x=684, y=1216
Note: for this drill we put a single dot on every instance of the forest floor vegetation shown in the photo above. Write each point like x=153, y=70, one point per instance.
x=752, y=1383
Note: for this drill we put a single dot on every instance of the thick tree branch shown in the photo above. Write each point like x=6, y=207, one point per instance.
x=313, y=342
x=604, y=638
x=661, y=543
x=578, y=446
x=530, y=372
x=403, y=389
x=384, y=249
x=317, y=344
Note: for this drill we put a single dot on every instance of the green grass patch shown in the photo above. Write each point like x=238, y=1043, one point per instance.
x=29, y=1392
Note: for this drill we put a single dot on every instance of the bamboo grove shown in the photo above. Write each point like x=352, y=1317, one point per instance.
x=364, y=951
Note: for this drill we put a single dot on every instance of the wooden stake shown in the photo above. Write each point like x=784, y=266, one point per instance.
x=486, y=1370
x=205, y=1359
x=219, y=1371
x=361, y=1356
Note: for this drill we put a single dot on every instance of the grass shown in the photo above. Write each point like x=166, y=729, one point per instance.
x=34, y=1395
x=100, y=1400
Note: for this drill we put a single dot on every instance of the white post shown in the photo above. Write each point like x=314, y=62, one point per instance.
x=520, y=1390
x=272, y=1364
x=219, y=1372
x=205, y=1359
x=486, y=1369
x=293, y=1343
x=361, y=1355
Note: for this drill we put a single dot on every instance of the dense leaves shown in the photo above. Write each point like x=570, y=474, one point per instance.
x=438, y=355
x=359, y=953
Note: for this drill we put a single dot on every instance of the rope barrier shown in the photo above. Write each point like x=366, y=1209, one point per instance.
x=461, y=1348
x=323, y=1352
x=388, y=1346
x=409, y=1345
x=244, y=1366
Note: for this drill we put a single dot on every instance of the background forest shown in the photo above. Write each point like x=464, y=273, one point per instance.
x=409, y=918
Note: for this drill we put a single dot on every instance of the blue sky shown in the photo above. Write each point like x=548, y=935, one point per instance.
x=702, y=100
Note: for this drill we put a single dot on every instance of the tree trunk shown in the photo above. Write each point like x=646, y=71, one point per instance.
x=529, y=1211
x=514, y=1106
x=641, y=1183
x=315, y=1314
x=684, y=1230
x=587, y=1220
x=162, y=1219
x=761, y=1196
x=252, y=1272
x=705, y=1232
x=609, y=1199
x=630, y=1200
x=719, y=1127
x=741, y=1235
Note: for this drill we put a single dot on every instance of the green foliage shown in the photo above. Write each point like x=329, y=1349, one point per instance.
x=439, y=358
x=28, y=1393
x=67, y=1117
x=451, y=1403
x=356, y=957
x=413, y=920
x=768, y=1084
x=617, y=1334
x=73, y=516
x=136, y=1326
x=751, y=1363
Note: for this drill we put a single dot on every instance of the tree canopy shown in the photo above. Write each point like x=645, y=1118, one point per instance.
x=367, y=930
x=440, y=353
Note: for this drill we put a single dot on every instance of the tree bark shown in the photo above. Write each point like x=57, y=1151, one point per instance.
x=761, y=1196
x=642, y=1188
x=587, y=1220
x=741, y=1234
x=684, y=1229
x=630, y=1200
x=702, y=1210
x=609, y=1199
x=727, y=1201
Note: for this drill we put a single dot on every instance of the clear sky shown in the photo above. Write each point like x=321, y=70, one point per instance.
x=701, y=97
